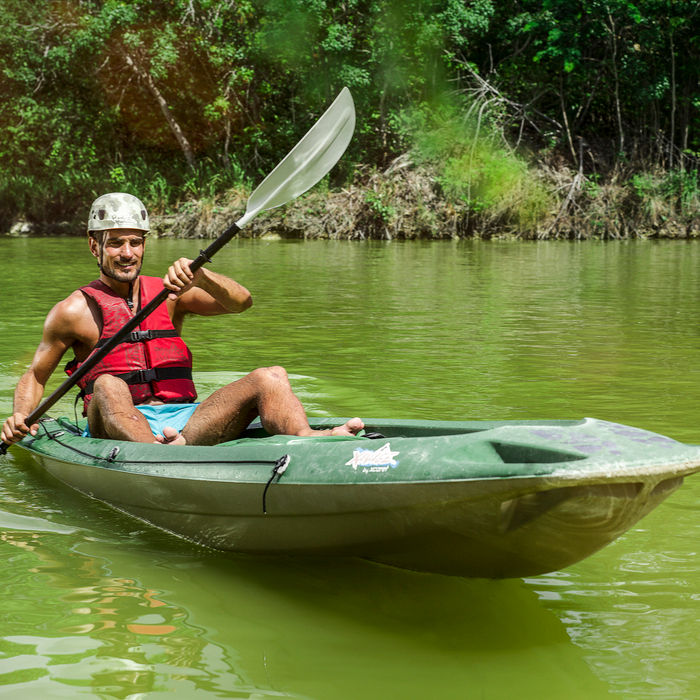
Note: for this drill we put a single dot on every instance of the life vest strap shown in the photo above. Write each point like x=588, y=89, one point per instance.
x=145, y=376
x=141, y=336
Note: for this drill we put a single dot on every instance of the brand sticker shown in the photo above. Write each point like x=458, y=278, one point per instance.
x=373, y=460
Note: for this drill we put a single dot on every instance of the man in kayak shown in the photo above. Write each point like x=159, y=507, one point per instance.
x=142, y=390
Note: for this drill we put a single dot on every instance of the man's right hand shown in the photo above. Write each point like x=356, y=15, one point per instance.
x=15, y=428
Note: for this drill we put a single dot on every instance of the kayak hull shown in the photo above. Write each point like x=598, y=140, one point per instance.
x=425, y=497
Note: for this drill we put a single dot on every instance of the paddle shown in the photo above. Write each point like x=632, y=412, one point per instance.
x=300, y=170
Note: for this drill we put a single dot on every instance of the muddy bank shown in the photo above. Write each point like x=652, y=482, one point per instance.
x=408, y=202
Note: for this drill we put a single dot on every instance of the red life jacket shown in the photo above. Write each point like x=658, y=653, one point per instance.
x=153, y=360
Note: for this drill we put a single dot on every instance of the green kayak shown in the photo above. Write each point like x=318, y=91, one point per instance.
x=485, y=499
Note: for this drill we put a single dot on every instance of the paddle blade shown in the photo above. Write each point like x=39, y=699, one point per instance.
x=308, y=161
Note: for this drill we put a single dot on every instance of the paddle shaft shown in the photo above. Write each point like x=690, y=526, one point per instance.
x=96, y=357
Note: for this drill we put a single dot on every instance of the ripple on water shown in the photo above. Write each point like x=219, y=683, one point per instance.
x=13, y=521
x=635, y=614
x=482, y=331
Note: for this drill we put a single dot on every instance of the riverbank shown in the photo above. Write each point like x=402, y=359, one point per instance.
x=411, y=202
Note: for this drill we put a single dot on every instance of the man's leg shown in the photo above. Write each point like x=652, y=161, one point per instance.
x=265, y=392
x=111, y=412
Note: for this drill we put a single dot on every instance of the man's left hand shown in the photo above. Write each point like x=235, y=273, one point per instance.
x=179, y=278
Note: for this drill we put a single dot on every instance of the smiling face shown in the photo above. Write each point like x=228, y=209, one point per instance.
x=119, y=253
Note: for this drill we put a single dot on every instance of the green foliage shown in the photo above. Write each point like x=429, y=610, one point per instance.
x=189, y=98
x=475, y=167
x=376, y=200
x=615, y=72
x=669, y=195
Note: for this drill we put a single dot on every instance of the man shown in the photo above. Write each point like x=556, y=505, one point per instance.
x=142, y=390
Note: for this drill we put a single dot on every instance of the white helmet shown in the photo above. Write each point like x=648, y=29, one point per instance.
x=118, y=210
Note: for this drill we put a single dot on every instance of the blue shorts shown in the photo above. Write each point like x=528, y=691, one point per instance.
x=165, y=415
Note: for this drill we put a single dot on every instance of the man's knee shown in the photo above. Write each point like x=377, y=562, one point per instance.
x=269, y=375
x=110, y=387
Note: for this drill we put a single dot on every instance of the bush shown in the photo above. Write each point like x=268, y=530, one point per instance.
x=476, y=168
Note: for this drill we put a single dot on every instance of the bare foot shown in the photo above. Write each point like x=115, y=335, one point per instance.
x=171, y=436
x=352, y=427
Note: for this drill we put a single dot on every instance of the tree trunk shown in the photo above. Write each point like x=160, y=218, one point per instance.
x=616, y=80
x=147, y=80
x=672, y=136
x=565, y=118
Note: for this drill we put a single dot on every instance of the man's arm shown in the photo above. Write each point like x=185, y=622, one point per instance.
x=204, y=292
x=57, y=337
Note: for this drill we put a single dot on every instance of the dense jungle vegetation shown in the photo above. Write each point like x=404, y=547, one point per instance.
x=474, y=117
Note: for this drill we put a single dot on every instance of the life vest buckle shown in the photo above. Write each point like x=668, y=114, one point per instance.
x=145, y=376
x=140, y=336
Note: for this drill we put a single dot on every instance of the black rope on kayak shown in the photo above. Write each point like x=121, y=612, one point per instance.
x=280, y=468
x=54, y=436
x=111, y=457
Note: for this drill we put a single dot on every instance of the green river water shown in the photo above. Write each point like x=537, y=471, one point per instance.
x=96, y=604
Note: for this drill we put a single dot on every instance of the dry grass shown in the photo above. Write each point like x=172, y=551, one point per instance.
x=401, y=202
x=407, y=202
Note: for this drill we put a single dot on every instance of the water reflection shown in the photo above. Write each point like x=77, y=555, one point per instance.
x=107, y=632
x=633, y=608
x=127, y=611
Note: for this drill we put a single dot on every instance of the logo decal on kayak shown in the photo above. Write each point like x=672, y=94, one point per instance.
x=373, y=460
